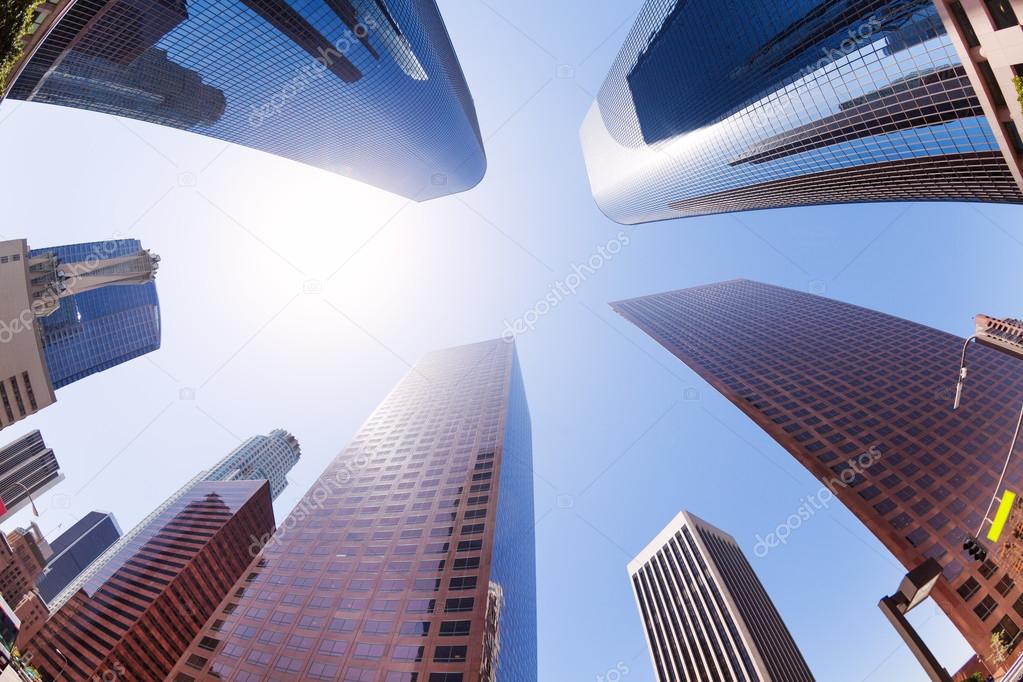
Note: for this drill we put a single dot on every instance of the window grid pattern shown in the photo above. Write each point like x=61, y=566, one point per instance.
x=831, y=382
x=730, y=105
x=99, y=329
x=380, y=573
x=136, y=617
x=365, y=88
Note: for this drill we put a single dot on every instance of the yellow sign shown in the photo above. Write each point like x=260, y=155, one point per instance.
x=1004, y=507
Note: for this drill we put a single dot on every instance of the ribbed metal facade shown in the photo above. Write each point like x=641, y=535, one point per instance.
x=27, y=467
x=409, y=560
x=707, y=616
x=864, y=401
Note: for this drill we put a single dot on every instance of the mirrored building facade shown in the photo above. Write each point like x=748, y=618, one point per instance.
x=863, y=400
x=729, y=105
x=371, y=89
x=99, y=328
x=412, y=558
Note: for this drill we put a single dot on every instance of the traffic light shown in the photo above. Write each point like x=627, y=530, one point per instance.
x=975, y=549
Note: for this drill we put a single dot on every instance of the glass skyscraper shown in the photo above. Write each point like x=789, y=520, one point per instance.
x=863, y=400
x=371, y=89
x=260, y=457
x=98, y=329
x=412, y=558
x=729, y=105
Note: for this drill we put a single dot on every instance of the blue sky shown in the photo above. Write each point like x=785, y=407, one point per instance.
x=295, y=298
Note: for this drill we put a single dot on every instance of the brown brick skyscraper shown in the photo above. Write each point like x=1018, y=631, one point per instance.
x=135, y=617
x=830, y=381
x=411, y=559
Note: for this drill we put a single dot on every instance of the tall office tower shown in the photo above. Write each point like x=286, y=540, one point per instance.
x=412, y=557
x=863, y=400
x=111, y=314
x=371, y=89
x=259, y=458
x=135, y=617
x=27, y=467
x=706, y=614
x=75, y=549
x=70, y=311
x=715, y=106
x=23, y=553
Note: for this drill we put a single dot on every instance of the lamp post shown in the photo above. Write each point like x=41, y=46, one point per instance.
x=913, y=590
x=61, y=673
x=28, y=493
x=1005, y=336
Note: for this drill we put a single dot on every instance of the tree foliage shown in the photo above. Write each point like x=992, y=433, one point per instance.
x=15, y=20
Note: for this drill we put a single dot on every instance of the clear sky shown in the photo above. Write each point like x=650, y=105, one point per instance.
x=295, y=298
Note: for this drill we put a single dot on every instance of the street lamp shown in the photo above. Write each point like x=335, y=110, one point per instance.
x=1005, y=336
x=913, y=590
x=61, y=673
x=28, y=493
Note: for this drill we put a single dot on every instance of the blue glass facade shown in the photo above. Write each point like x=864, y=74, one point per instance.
x=727, y=105
x=96, y=330
x=365, y=88
x=513, y=572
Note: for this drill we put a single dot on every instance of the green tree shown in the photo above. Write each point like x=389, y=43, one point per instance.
x=15, y=20
x=1018, y=82
x=999, y=648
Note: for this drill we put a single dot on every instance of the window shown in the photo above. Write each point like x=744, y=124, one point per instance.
x=445, y=677
x=968, y=589
x=467, y=564
x=985, y=607
x=1005, y=585
x=464, y=604
x=450, y=654
x=991, y=81
x=1002, y=15
x=463, y=583
x=988, y=569
x=454, y=628
x=196, y=661
x=209, y=643
x=323, y=671
x=333, y=647
x=407, y=653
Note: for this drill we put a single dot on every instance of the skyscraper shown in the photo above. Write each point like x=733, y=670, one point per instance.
x=259, y=458
x=23, y=553
x=706, y=614
x=371, y=89
x=101, y=327
x=730, y=105
x=75, y=549
x=132, y=619
x=70, y=311
x=27, y=467
x=832, y=382
x=412, y=557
